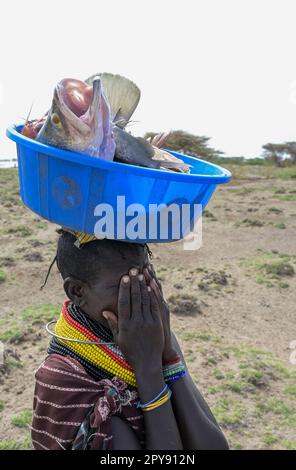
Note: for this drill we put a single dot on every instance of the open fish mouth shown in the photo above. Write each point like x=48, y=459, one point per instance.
x=78, y=101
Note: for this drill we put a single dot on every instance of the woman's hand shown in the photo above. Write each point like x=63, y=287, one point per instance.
x=138, y=329
x=154, y=283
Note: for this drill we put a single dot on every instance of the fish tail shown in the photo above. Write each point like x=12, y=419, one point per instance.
x=173, y=166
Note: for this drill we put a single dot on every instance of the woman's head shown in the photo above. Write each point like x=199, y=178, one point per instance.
x=92, y=273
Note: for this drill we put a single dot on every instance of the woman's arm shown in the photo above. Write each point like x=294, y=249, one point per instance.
x=124, y=438
x=139, y=333
x=161, y=429
x=197, y=425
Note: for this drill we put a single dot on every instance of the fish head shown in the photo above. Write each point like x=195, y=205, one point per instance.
x=77, y=117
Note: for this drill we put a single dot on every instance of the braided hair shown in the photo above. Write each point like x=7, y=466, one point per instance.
x=87, y=261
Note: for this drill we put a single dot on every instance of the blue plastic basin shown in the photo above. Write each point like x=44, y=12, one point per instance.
x=65, y=187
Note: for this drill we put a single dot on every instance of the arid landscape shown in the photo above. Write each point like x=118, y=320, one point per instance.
x=233, y=306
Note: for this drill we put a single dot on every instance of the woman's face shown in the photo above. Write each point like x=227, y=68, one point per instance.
x=101, y=294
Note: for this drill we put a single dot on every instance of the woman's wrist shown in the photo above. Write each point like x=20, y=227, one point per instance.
x=173, y=369
x=169, y=355
x=150, y=382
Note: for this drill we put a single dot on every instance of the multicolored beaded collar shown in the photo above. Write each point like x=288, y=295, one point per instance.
x=101, y=362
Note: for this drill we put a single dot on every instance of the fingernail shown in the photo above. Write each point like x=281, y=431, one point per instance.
x=149, y=288
x=105, y=315
x=141, y=277
x=133, y=271
x=125, y=279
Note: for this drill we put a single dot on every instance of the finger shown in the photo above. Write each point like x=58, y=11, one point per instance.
x=152, y=282
x=154, y=306
x=135, y=293
x=123, y=303
x=145, y=298
x=164, y=309
x=156, y=290
x=112, y=322
x=147, y=275
x=154, y=276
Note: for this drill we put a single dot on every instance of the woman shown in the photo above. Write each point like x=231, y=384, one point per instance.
x=135, y=392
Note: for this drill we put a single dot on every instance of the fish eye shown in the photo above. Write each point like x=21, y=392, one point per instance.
x=55, y=119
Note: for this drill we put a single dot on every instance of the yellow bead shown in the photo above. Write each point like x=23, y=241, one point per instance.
x=93, y=353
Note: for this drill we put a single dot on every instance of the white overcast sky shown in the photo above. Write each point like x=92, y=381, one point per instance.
x=225, y=69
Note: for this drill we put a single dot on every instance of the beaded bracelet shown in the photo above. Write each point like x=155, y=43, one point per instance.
x=176, y=377
x=141, y=405
x=159, y=402
x=175, y=359
x=173, y=370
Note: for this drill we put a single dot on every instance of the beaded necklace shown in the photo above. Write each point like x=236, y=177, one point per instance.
x=101, y=362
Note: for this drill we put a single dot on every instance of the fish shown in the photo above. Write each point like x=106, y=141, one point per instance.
x=79, y=119
x=32, y=127
x=170, y=162
x=90, y=117
x=138, y=151
x=123, y=96
x=132, y=150
x=122, y=93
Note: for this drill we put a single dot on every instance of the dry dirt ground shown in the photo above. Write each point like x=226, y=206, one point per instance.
x=232, y=308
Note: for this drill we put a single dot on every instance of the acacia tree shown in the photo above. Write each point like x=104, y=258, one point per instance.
x=278, y=153
x=190, y=144
x=291, y=151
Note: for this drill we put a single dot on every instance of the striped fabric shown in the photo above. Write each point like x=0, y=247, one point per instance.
x=71, y=410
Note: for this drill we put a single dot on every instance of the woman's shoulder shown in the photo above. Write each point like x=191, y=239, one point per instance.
x=64, y=373
x=63, y=394
x=56, y=363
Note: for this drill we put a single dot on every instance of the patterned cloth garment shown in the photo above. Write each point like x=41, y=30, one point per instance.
x=72, y=411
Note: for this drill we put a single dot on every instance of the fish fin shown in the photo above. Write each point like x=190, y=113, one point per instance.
x=173, y=166
x=29, y=114
x=159, y=139
x=30, y=110
x=123, y=96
